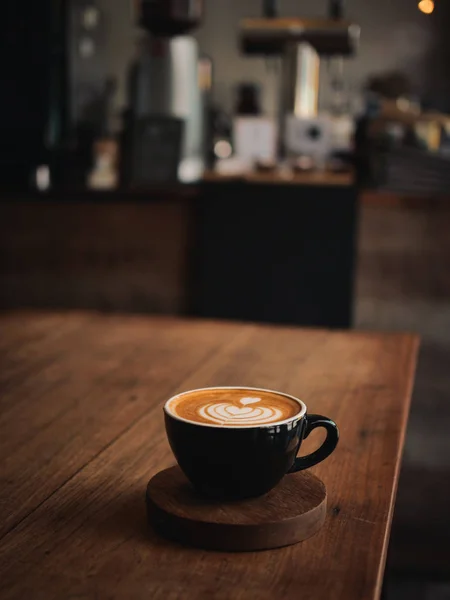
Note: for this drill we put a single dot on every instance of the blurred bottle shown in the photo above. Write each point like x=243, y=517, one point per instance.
x=248, y=101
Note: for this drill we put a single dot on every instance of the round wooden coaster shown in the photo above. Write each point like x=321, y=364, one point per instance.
x=292, y=512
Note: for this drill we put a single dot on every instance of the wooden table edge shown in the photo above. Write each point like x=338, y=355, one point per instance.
x=412, y=364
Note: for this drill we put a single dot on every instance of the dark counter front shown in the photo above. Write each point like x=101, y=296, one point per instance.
x=276, y=253
x=231, y=249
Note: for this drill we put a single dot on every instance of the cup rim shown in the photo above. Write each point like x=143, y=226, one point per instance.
x=297, y=416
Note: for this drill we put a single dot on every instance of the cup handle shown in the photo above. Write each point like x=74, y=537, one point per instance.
x=330, y=443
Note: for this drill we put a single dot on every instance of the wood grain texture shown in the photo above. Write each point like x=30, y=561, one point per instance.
x=83, y=434
x=71, y=391
x=290, y=513
x=316, y=178
x=117, y=255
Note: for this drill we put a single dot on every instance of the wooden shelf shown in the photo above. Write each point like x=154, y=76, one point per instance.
x=317, y=178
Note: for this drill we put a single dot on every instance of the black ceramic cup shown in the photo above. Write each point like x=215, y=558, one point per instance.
x=244, y=461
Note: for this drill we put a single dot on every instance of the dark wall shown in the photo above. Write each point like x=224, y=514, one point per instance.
x=31, y=73
x=437, y=79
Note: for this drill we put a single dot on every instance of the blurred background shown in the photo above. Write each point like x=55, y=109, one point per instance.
x=274, y=161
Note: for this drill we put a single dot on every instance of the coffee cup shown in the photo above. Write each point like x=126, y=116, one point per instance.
x=239, y=442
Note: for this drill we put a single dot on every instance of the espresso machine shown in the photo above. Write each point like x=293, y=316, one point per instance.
x=165, y=120
x=301, y=44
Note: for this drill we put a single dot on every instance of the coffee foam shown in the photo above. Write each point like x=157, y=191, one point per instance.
x=234, y=407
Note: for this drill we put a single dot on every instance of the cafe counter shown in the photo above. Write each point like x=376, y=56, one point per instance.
x=259, y=248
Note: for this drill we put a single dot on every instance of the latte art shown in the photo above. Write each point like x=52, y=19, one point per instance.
x=234, y=407
x=223, y=412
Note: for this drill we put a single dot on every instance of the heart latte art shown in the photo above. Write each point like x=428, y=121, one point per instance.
x=234, y=407
x=224, y=412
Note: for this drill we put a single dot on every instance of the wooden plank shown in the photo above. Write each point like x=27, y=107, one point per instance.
x=315, y=178
x=92, y=386
x=29, y=345
x=129, y=257
x=89, y=538
x=420, y=201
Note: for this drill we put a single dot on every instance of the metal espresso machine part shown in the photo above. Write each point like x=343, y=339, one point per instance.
x=166, y=115
x=301, y=43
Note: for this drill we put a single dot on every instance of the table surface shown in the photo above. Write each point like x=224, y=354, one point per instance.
x=81, y=433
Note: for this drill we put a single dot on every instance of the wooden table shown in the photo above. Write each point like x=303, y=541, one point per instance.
x=81, y=433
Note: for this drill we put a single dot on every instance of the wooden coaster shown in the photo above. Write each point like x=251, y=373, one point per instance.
x=292, y=512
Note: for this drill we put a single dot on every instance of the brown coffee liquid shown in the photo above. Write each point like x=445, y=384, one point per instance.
x=234, y=407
